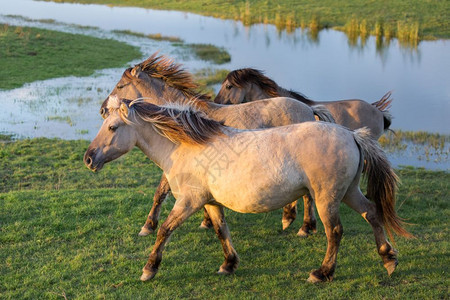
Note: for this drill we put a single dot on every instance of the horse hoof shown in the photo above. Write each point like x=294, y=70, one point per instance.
x=146, y=275
x=286, y=223
x=145, y=231
x=303, y=234
x=223, y=271
x=391, y=266
x=313, y=279
x=203, y=225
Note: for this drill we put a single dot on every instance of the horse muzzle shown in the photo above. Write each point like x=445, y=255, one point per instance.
x=91, y=162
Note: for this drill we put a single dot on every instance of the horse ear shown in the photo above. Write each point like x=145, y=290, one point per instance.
x=136, y=71
x=124, y=109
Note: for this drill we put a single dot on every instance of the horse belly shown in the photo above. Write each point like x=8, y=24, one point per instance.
x=259, y=190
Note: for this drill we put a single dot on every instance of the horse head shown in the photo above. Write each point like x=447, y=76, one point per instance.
x=246, y=85
x=115, y=137
x=155, y=77
x=133, y=84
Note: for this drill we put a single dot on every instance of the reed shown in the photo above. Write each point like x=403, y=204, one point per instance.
x=291, y=23
x=425, y=145
x=314, y=23
x=279, y=21
x=246, y=15
x=314, y=27
x=4, y=30
x=388, y=33
x=363, y=32
x=351, y=29
x=408, y=33
x=378, y=30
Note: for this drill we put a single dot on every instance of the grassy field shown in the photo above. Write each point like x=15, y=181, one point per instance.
x=67, y=232
x=29, y=54
x=55, y=54
x=394, y=18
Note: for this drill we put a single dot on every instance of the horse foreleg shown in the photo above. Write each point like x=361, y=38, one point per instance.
x=180, y=212
x=161, y=193
x=309, y=217
x=220, y=226
x=367, y=209
x=329, y=214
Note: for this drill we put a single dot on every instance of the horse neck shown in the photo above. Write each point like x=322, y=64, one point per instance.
x=156, y=147
x=256, y=93
x=159, y=92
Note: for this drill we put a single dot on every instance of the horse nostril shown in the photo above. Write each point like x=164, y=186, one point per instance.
x=88, y=161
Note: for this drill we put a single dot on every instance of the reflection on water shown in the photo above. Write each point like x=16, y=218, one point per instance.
x=324, y=65
x=68, y=107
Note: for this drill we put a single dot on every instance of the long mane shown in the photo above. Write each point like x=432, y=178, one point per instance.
x=241, y=77
x=180, y=123
x=171, y=73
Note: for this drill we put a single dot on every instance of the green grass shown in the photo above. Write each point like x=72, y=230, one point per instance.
x=30, y=54
x=207, y=78
x=429, y=146
x=67, y=232
x=206, y=52
x=431, y=16
x=154, y=36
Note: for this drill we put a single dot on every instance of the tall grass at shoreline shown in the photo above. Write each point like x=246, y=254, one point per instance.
x=421, y=19
x=406, y=33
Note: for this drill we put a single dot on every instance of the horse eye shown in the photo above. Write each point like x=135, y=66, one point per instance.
x=104, y=112
x=113, y=128
x=228, y=86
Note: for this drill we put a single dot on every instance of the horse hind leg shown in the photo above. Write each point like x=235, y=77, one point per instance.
x=329, y=214
x=220, y=226
x=206, y=223
x=289, y=214
x=309, y=217
x=367, y=209
x=161, y=193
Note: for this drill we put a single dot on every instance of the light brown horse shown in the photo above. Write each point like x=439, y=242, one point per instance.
x=328, y=166
x=163, y=81
x=246, y=85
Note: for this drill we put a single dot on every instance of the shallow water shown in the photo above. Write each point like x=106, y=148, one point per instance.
x=327, y=68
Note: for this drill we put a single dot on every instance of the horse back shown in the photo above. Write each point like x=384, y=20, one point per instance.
x=355, y=114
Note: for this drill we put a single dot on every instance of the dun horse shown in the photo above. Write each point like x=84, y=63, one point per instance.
x=245, y=85
x=328, y=166
x=163, y=81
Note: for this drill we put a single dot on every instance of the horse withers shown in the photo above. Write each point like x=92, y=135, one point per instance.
x=328, y=165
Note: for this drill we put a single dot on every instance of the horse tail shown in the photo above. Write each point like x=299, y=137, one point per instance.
x=382, y=182
x=383, y=105
x=323, y=113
